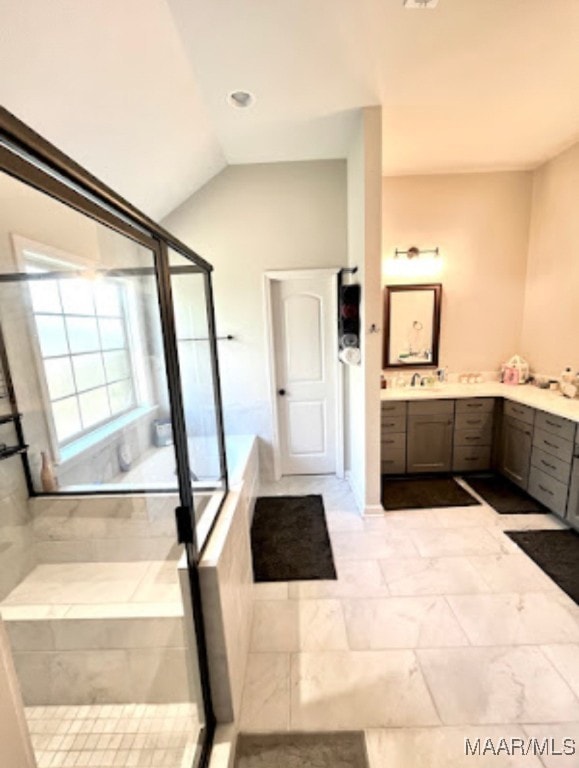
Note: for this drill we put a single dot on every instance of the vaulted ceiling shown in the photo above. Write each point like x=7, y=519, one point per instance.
x=135, y=90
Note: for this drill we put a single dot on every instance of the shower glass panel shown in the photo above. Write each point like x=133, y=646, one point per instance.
x=99, y=599
x=85, y=348
x=192, y=309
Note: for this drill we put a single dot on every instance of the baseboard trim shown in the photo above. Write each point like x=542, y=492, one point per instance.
x=373, y=510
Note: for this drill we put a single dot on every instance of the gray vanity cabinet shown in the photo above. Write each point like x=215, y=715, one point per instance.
x=473, y=434
x=430, y=434
x=393, y=436
x=516, y=447
x=551, y=461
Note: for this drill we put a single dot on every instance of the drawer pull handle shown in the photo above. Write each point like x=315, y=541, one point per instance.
x=551, y=445
x=542, y=487
x=474, y=421
x=471, y=437
x=526, y=431
x=388, y=461
x=388, y=424
x=553, y=424
x=471, y=458
x=546, y=463
x=474, y=405
x=387, y=442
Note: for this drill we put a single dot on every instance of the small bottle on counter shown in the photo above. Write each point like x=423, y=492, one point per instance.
x=567, y=385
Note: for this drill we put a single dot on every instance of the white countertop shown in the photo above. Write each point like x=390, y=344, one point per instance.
x=543, y=399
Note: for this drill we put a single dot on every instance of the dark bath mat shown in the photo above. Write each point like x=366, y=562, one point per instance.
x=423, y=493
x=290, y=540
x=505, y=497
x=344, y=749
x=556, y=553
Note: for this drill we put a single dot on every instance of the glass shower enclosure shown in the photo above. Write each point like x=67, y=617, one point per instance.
x=112, y=462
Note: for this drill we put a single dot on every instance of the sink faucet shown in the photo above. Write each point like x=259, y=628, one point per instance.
x=416, y=380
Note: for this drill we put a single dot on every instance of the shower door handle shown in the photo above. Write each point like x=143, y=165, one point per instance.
x=281, y=392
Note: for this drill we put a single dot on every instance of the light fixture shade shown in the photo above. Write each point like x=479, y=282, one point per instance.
x=420, y=3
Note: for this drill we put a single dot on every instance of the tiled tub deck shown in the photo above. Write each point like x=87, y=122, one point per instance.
x=98, y=633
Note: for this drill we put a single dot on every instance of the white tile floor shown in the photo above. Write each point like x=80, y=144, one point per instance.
x=438, y=629
x=135, y=735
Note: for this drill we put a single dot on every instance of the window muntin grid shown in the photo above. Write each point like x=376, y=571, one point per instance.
x=83, y=340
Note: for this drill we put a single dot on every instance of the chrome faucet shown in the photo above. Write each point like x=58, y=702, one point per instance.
x=416, y=380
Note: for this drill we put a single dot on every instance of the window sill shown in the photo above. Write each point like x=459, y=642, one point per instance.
x=100, y=436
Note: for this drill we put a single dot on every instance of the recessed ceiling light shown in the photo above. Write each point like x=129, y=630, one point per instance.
x=420, y=3
x=241, y=99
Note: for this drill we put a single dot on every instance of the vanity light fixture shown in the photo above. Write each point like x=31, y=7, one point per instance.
x=414, y=253
x=420, y=3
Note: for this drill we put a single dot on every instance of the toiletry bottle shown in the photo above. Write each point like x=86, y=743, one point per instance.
x=48, y=479
x=566, y=378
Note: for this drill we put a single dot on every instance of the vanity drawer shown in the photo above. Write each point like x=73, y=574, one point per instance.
x=475, y=405
x=470, y=459
x=393, y=462
x=551, y=465
x=483, y=421
x=395, y=441
x=431, y=408
x=548, y=491
x=522, y=412
x=394, y=408
x=391, y=424
x=555, y=425
x=473, y=436
x=553, y=444
x=393, y=454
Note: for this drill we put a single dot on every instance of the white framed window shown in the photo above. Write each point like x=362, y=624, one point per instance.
x=86, y=333
x=81, y=327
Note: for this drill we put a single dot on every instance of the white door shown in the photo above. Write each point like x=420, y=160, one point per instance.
x=305, y=354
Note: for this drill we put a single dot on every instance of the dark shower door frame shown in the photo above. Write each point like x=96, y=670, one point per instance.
x=29, y=158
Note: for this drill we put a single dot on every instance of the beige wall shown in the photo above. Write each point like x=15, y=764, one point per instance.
x=245, y=221
x=362, y=394
x=480, y=222
x=551, y=311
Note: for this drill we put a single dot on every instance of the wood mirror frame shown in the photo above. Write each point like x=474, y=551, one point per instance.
x=389, y=291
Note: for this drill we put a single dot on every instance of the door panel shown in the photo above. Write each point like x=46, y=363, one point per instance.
x=430, y=443
x=304, y=320
x=307, y=434
x=516, y=451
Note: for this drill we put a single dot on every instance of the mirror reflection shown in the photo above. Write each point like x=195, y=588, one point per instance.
x=412, y=325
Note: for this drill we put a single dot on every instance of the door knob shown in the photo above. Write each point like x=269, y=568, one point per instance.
x=281, y=392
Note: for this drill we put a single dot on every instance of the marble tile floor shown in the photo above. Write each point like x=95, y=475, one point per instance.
x=107, y=736
x=438, y=629
x=96, y=590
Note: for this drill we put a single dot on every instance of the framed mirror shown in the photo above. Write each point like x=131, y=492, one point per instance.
x=411, y=325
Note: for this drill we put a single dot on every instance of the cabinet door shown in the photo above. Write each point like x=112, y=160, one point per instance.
x=573, y=503
x=430, y=443
x=517, y=440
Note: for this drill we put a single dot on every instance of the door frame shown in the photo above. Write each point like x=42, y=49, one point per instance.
x=271, y=277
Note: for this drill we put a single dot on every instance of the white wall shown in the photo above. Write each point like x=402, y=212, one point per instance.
x=480, y=222
x=364, y=251
x=551, y=312
x=245, y=221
